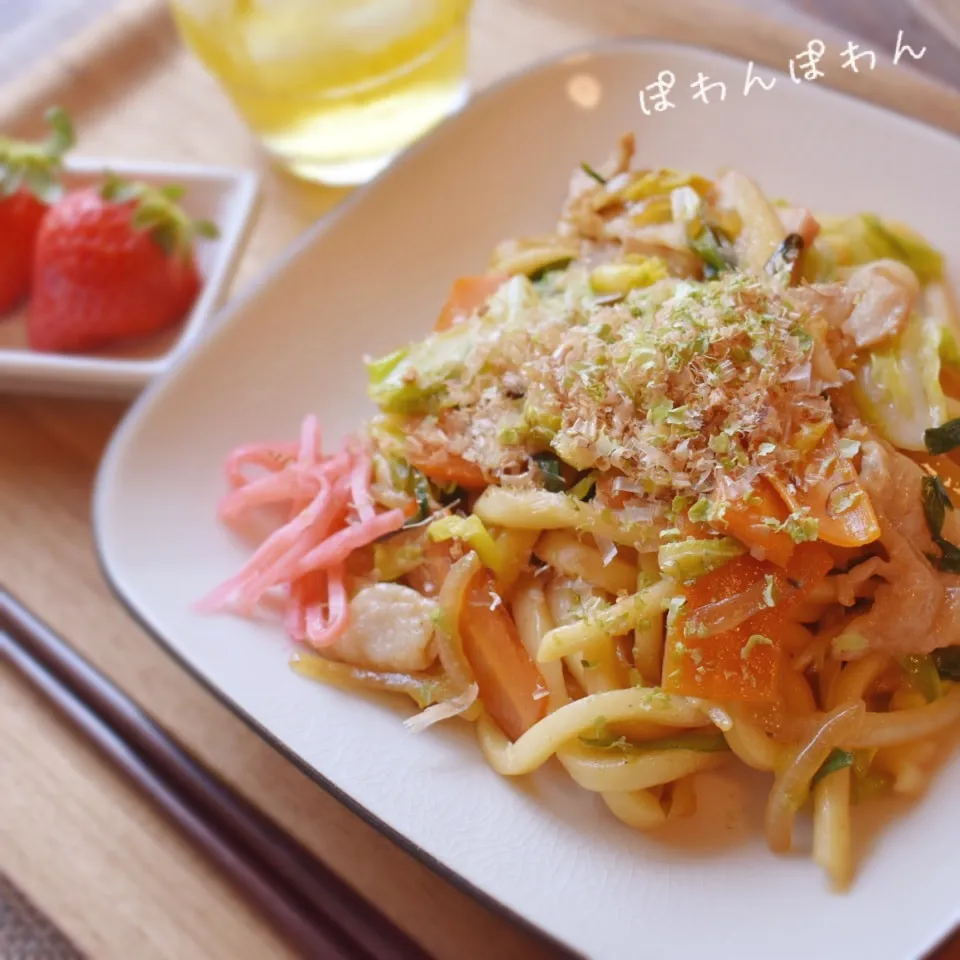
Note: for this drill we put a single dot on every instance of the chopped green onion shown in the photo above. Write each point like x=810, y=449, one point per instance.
x=585, y=487
x=943, y=439
x=923, y=674
x=949, y=559
x=590, y=172
x=936, y=502
x=699, y=742
x=713, y=249
x=837, y=760
x=783, y=262
x=550, y=470
x=421, y=491
x=557, y=263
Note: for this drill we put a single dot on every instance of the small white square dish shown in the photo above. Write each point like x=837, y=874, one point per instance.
x=373, y=276
x=225, y=196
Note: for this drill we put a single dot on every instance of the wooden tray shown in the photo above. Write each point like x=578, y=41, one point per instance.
x=74, y=838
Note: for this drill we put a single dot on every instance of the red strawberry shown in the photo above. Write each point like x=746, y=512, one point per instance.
x=112, y=264
x=28, y=182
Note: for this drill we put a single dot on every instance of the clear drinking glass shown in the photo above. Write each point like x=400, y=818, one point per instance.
x=334, y=88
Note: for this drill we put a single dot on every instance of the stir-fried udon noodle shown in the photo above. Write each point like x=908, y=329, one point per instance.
x=668, y=488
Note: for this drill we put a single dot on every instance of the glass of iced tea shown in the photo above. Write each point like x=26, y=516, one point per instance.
x=334, y=88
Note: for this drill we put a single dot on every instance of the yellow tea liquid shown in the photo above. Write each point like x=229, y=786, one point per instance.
x=334, y=88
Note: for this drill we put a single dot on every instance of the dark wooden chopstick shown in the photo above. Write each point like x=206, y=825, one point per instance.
x=317, y=911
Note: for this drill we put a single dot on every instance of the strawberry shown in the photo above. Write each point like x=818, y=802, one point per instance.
x=28, y=182
x=112, y=264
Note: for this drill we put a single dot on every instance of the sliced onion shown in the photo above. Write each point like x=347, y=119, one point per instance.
x=792, y=786
x=878, y=729
x=902, y=726
x=450, y=600
x=443, y=711
x=729, y=613
x=420, y=687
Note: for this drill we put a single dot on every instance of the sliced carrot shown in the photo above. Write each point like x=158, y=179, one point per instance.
x=748, y=519
x=466, y=295
x=511, y=687
x=829, y=487
x=742, y=663
x=447, y=468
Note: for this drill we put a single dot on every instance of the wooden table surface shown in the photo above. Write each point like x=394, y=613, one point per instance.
x=73, y=835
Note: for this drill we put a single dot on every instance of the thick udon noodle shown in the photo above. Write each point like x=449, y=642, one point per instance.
x=584, y=588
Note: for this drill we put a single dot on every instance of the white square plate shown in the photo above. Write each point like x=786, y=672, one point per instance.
x=373, y=276
x=225, y=196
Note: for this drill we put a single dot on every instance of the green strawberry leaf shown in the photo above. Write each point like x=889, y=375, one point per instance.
x=165, y=235
x=42, y=182
x=62, y=137
x=207, y=229
x=116, y=190
x=156, y=211
x=36, y=166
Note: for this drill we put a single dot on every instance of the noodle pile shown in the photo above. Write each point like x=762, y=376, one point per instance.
x=668, y=488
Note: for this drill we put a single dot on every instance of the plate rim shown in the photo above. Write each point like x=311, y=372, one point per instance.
x=220, y=320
